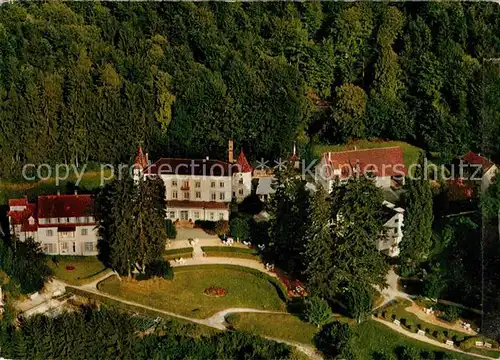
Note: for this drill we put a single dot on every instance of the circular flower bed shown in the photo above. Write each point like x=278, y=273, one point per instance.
x=70, y=268
x=215, y=291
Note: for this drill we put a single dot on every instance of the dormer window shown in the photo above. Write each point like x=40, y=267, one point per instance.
x=31, y=221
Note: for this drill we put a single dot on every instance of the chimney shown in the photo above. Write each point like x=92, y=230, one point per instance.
x=58, y=193
x=230, y=150
x=147, y=158
x=76, y=192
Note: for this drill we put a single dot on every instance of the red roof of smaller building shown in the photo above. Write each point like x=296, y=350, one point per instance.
x=58, y=206
x=476, y=159
x=242, y=163
x=18, y=202
x=197, y=204
x=379, y=161
x=22, y=217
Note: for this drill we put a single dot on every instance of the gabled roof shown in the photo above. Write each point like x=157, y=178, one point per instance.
x=379, y=162
x=59, y=206
x=18, y=202
x=242, y=163
x=141, y=160
x=476, y=159
x=197, y=167
x=22, y=217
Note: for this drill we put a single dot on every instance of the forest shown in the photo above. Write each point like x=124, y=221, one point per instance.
x=87, y=81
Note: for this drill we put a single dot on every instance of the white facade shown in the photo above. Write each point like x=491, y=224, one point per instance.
x=392, y=237
x=242, y=185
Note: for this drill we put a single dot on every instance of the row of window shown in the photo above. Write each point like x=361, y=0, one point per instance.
x=184, y=215
x=71, y=220
x=197, y=184
x=186, y=195
x=83, y=232
x=51, y=248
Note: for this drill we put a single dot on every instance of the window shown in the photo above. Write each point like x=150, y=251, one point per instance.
x=84, y=232
x=221, y=184
x=48, y=248
x=49, y=233
x=241, y=181
x=174, y=183
x=240, y=191
x=74, y=247
x=186, y=195
x=198, y=194
x=213, y=196
x=196, y=215
x=222, y=196
x=197, y=184
x=174, y=194
x=234, y=193
x=88, y=246
x=64, y=247
x=67, y=220
x=221, y=216
x=172, y=214
x=211, y=216
x=212, y=184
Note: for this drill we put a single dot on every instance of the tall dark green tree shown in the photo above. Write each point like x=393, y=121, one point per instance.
x=419, y=217
x=132, y=223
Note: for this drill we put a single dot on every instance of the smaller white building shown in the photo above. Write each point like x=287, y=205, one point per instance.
x=62, y=224
x=393, y=235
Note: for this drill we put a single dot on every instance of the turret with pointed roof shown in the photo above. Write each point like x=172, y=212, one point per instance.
x=141, y=160
x=242, y=163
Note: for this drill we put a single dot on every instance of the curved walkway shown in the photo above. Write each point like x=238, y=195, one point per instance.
x=426, y=339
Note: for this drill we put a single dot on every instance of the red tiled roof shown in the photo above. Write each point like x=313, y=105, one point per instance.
x=197, y=204
x=379, y=162
x=197, y=167
x=140, y=160
x=476, y=159
x=57, y=206
x=18, y=202
x=242, y=163
x=22, y=217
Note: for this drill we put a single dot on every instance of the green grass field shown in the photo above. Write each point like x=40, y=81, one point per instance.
x=184, y=294
x=87, y=268
x=410, y=152
x=11, y=189
x=370, y=338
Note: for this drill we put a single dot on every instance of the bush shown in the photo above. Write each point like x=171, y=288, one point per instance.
x=171, y=231
x=450, y=314
x=317, y=311
x=335, y=339
x=208, y=226
x=159, y=268
x=221, y=227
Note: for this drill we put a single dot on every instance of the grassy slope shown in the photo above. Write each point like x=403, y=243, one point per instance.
x=184, y=294
x=87, y=268
x=410, y=152
x=371, y=337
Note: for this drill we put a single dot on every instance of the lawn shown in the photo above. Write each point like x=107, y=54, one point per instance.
x=370, y=337
x=283, y=326
x=12, y=189
x=185, y=293
x=185, y=253
x=86, y=268
x=234, y=252
x=410, y=152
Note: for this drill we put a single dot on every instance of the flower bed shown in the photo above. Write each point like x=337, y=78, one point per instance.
x=215, y=291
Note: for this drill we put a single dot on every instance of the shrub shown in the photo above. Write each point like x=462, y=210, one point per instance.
x=221, y=227
x=407, y=322
x=317, y=311
x=334, y=340
x=159, y=268
x=171, y=231
x=450, y=314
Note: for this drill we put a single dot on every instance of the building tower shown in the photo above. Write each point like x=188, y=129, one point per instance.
x=141, y=162
x=242, y=178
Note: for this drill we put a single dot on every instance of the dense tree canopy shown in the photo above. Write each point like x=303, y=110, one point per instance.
x=87, y=81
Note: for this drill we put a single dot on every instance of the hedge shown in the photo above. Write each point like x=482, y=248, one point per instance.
x=173, y=254
x=228, y=251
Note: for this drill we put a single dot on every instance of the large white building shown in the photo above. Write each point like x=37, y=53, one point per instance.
x=62, y=224
x=199, y=189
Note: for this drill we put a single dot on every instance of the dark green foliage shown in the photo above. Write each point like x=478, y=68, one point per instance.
x=171, y=231
x=108, y=333
x=159, y=268
x=358, y=300
x=25, y=263
x=88, y=81
x=418, y=218
x=239, y=228
x=132, y=223
x=317, y=311
x=335, y=341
